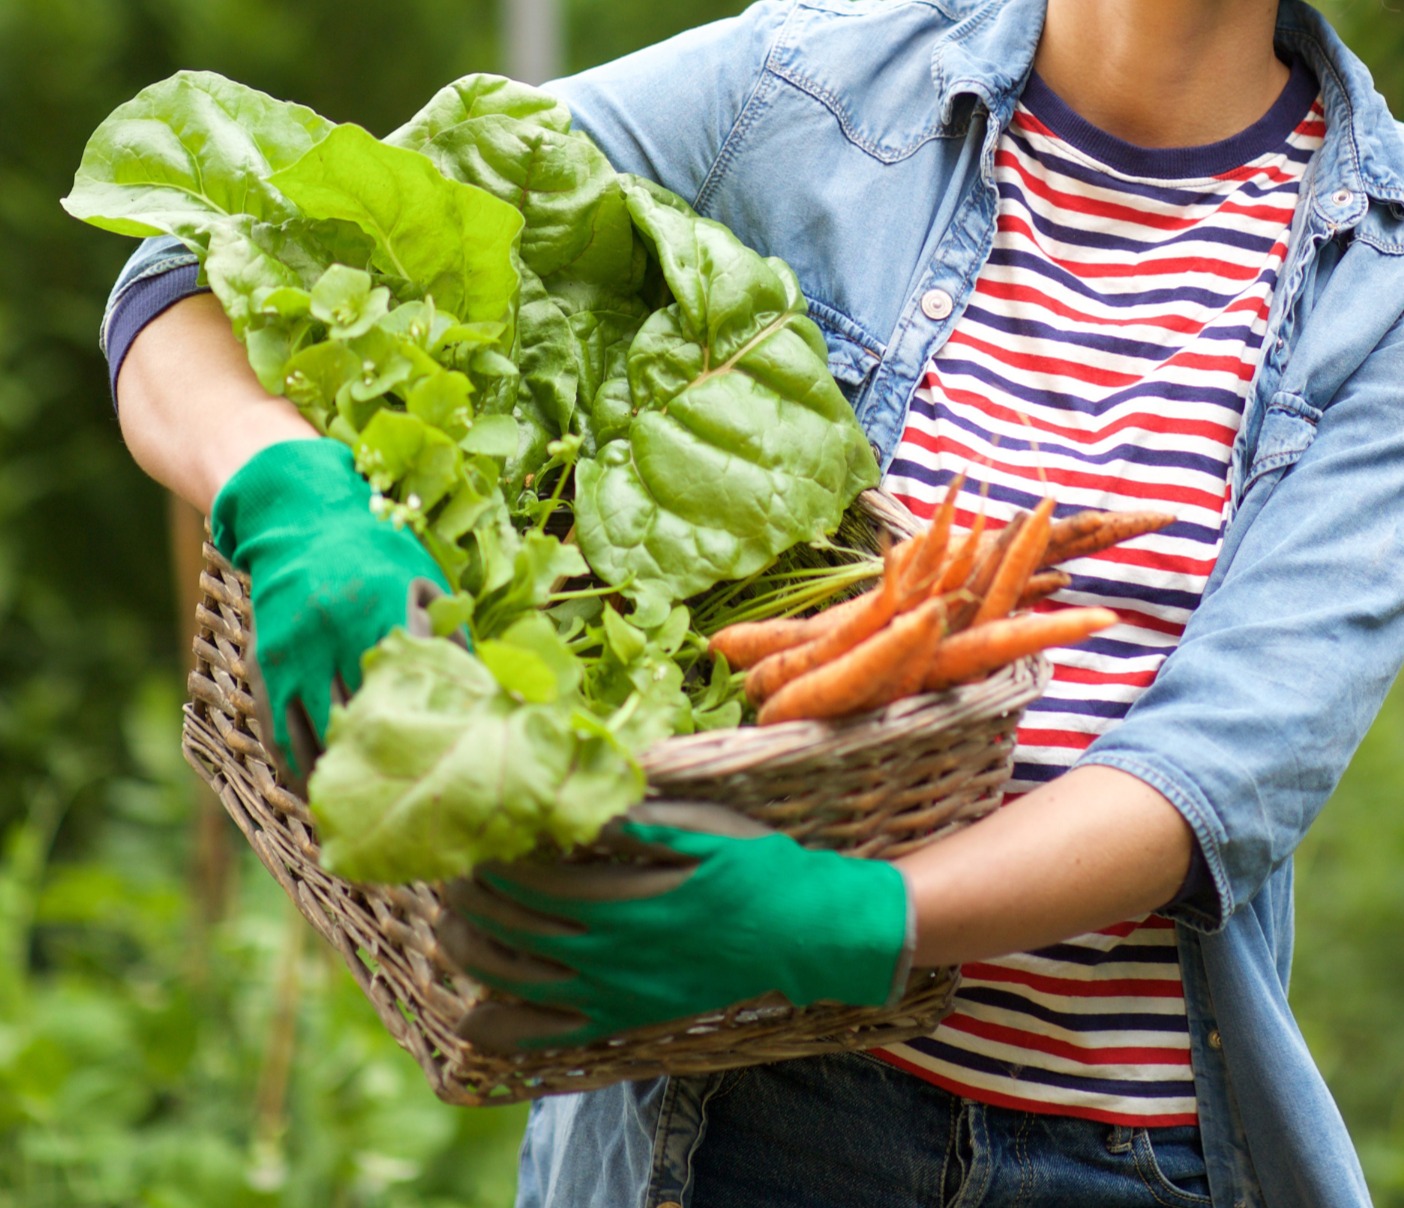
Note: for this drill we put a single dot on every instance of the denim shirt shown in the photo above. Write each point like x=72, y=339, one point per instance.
x=855, y=139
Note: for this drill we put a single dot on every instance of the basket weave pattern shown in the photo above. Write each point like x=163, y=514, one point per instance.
x=881, y=785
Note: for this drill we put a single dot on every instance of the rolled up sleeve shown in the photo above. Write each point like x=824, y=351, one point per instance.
x=1282, y=669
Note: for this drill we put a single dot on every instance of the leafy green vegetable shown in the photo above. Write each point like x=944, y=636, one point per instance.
x=590, y=404
x=437, y=764
x=193, y=148
x=406, y=206
x=743, y=443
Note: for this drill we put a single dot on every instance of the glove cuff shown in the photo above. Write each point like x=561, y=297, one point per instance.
x=907, y=957
x=293, y=479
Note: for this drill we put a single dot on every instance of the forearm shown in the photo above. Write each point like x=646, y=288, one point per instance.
x=192, y=411
x=1093, y=848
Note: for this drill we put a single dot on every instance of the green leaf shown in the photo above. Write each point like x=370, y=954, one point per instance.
x=443, y=401
x=743, y=445
x=492, y=436
x=539, y=562
x=257, y=270
x=406, y=206
x=345, y=299
x=402, y=453
x=480, y=95
x=514, y=142
x=544, y=400
x=188, y=152
x=434, y=767
x=626, y=642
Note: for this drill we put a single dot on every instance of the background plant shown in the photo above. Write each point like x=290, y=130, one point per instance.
x=164, y=1045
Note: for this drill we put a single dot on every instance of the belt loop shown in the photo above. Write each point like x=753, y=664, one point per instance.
x=1120, y=1139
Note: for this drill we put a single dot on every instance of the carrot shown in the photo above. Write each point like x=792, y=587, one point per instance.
x=958, y=568
x=863, y=675
x=856, y=625
x=747, y=642
x=992, y=553
x=1043, y=585
x=1021, y=556
x=1085, y=533
x=978, y=651
x=922, y=574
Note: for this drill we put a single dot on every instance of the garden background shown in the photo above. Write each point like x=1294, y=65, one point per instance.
x=171, y=1033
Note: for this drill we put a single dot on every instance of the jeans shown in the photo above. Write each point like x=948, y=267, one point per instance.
x=851, y=1132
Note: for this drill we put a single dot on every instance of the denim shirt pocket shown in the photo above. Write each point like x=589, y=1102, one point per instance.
x=1289, y=427
x=853, y=355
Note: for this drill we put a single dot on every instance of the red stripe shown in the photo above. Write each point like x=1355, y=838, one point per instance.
x=1018, y=1103
x=1081, y=370
x=1269, y=173
x=1073, y=740
x=1117, y=987
x=1134, y=215
x=1145, y=266
x=1134, y=617
x=1007, y=292
x=1149, y=559
x=1080, y=204
x=1134, y=421
x=1083, y=1054
x=1062, y=673
x=1233, y=366
x=1152, y=922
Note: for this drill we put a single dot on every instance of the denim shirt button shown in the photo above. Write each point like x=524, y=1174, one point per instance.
x=936, y=304
x=1343, y=197
x=1216, y=1040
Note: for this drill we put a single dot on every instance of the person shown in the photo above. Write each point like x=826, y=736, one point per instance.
x=1125, y=250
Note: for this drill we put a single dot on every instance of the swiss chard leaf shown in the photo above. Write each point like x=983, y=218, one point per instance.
x=480, y=95
x=515, y=143
x=405, y=205
x=189, y=152
x=435, y=765
x=743, y=445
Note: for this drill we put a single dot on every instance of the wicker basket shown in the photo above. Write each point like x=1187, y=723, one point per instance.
x=882, y=784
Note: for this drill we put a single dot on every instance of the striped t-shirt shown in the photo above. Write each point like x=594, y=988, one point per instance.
x=1105, y=357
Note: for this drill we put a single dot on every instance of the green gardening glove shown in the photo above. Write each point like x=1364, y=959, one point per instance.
x=724, y=912
x=329, y=580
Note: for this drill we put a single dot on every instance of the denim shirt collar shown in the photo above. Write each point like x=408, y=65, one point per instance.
x=988, y=56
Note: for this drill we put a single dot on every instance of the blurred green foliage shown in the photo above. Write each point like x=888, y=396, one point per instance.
x=141, y=1044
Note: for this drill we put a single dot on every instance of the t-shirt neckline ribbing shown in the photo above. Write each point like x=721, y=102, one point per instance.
x=1265, y=136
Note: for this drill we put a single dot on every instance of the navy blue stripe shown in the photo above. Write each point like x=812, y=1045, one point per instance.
x=1113, y=299
x=1115, y=649
x=1131, y=1021
x=1145, y=954
x=1035, y=774
x=1147, y=593
x=1127, y=453
x=1124, y=1087
x=1204, y=232
x=1165, y=193
x=1157, y=391
x=1144, y=350
x=1080, y=707
x=1236, y=335
x=1029, y=263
